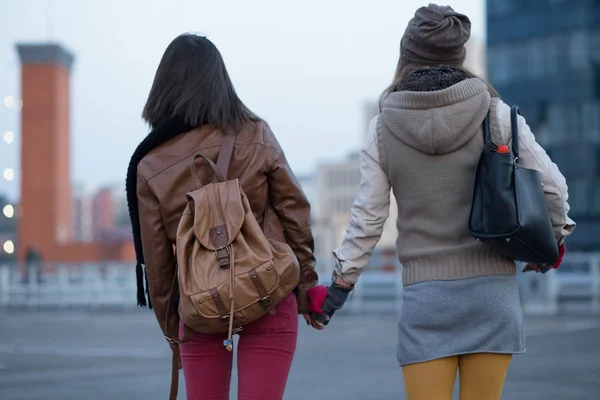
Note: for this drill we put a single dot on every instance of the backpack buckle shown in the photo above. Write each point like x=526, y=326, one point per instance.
x=266, y=301
x=222, y=254
x=226, y=248
x=225, y=320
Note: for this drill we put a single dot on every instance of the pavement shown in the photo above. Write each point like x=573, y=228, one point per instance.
x=117, y=355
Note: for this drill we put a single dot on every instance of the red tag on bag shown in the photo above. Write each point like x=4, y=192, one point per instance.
x=503, y=149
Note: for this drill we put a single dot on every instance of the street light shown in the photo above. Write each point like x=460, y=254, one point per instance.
x=8, y=211
x=9, y=247
x=9, y=101
x=8, y=174
x=8, y=137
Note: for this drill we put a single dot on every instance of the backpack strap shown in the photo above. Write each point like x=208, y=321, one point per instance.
x=226, y=152
x=223, y=160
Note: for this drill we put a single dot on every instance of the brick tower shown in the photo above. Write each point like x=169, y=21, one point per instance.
x=45, y=207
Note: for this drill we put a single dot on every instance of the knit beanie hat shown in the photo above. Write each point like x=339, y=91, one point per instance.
x=436, y=35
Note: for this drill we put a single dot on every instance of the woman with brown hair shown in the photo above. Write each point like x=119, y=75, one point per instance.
x=461, y=311
x=191, y=104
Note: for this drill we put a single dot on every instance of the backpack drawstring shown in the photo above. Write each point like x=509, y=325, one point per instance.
x=228, y=343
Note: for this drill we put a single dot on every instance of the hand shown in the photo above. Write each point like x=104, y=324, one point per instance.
x=326, y=301
x=532, y=267
x=536, y=268
x=315, y=324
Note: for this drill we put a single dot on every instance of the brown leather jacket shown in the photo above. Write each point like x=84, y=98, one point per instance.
x=164, y=178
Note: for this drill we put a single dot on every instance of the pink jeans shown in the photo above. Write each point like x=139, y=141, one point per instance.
x=265, y=352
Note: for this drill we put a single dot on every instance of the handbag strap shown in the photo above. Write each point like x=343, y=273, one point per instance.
x=486, y=130
x=514, y=126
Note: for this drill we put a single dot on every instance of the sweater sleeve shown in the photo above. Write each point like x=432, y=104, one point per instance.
x=368, y=215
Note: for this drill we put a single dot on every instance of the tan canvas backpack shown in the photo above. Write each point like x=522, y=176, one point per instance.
x=229, y=273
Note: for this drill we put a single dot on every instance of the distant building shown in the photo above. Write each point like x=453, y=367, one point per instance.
x=330, y=191
x=476, y=60
x=336, y=189
x=546, y=60
x=308, y=184
x=103, y=212
x=95, y=215
x=46, y=201
x=337, y=184
x=83, y=219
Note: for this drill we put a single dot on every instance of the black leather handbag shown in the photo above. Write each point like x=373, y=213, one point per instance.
x=509, y=211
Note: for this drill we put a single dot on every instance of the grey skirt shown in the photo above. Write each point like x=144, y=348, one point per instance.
x=447, y=318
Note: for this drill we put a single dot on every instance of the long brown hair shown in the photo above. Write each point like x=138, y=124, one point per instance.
x=192, y=83
x=404, y=68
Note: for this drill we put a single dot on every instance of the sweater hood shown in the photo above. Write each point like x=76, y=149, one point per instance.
x=437, y=122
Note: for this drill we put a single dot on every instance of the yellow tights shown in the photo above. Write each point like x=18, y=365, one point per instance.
x=481, y=377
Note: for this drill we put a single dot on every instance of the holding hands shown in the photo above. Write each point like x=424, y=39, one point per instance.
x=325, y=301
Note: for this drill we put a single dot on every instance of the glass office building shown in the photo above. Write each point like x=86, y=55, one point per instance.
x=544, y=56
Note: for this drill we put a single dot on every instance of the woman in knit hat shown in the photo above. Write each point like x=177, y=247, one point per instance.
x=461, y=311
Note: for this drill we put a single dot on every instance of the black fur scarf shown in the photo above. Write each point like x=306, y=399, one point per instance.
x=161, y=134
x=430, y=79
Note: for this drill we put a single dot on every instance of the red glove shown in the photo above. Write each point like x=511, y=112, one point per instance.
x=561, y=253
x=316, y=296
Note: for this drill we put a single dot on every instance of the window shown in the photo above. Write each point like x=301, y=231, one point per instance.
x=556, y=124
x=491, y=7
x=502, y=7
x=591, y=121
x=555, y=54
x=497, y=7
x=578, y=50
x=579, y=195
x=572, y=115
x=594, y=43
x=521, y=55
x=490, y=64
x=595, y=206
x=500, y=68
x=536, y=58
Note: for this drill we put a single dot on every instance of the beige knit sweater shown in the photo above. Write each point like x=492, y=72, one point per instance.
x=425, y=147
x=430, y=144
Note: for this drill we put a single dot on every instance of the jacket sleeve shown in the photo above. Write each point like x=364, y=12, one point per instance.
x=159, y=258
x=368, y=214
x=292, y=208
x=533, y=156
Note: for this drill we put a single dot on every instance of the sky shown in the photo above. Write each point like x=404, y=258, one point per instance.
x=306, y=67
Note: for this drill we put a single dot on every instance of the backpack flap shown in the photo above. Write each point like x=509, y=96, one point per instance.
x=218, y=214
